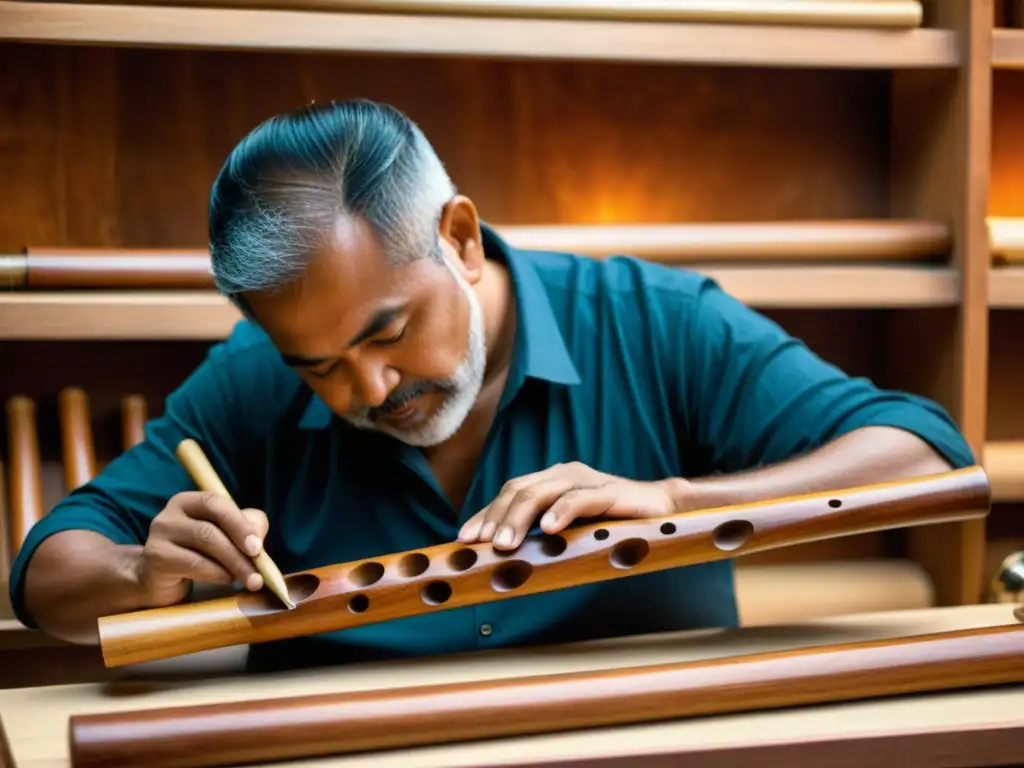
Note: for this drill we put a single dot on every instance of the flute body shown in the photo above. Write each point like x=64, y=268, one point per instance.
x=450, y=576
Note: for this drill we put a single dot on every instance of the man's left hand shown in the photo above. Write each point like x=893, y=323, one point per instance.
x=562, y=494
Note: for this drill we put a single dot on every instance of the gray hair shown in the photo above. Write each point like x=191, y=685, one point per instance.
x=284, y=186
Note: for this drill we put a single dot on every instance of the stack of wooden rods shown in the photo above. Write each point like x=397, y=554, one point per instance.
x=77, y=446
x=804, y=241
x=133, y=421
x=887, y=14
x=257, y=731
x=26, y=486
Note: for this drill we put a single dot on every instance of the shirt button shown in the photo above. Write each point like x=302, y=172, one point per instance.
x=485, y=630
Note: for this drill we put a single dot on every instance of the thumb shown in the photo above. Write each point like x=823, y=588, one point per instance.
x=259, y=521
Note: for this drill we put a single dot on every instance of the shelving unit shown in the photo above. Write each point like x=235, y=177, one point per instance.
x=1004, y=449
x=864, y=161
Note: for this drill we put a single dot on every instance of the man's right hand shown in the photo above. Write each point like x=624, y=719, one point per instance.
x=200, y=537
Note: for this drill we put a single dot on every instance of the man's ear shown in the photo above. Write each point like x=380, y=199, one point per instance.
x=460, y=228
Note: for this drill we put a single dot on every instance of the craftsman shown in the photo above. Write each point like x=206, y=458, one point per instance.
x=405, y=378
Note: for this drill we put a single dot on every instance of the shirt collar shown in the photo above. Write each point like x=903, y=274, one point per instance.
x=540, y=351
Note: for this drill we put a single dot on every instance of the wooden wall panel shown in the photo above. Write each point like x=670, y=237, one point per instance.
x=118, y=147
x=1006, y=196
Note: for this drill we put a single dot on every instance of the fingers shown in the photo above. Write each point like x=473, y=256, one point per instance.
x=209, y=535
x=508, y=518
x=580, y=502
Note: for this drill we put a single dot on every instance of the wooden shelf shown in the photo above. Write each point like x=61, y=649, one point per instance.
x=165, y=315
x=1006, y=288
x=1008, y=48
x=1006, y=238
x=410, y=34
x=1004, y=462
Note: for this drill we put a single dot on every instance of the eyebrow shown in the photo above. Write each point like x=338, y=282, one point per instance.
x=381, y=320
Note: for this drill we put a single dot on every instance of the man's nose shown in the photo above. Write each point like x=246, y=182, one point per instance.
x=366, y=385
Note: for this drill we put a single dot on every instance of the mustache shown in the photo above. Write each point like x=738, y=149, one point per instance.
x=403, y=395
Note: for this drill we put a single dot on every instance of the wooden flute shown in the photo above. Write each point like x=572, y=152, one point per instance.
x=248, y=732
x=453, y=575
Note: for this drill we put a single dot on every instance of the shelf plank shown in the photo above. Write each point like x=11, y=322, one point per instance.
x=1008, y=48
x=166, y=315
x=1006, y=238
x=1006, y=288
x=1004, y=462
x=410, y=34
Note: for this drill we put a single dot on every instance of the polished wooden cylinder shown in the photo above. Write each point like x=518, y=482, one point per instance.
x=25, y=478
x=77, y=446
x=302, y=727
x=454, y=575
x=133, y=420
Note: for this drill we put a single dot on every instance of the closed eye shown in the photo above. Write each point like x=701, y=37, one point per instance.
x=391, y=339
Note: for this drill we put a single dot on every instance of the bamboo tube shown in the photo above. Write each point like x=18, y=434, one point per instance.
x=26, y=485
x=830, y=241
x=133, y=421
x=1006, y=239
x=77, y=445
x=1004, y=463
x=900, y=14
x=333, y=724
x=454, y=575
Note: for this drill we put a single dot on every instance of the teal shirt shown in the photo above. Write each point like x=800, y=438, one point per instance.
x=636, y=369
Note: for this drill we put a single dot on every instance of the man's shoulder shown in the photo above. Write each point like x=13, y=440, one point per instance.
x=619, y=280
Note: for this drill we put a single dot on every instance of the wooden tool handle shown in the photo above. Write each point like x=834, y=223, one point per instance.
x=26, y=485
x=301, y=727
x=455, y=575
x=205, y=477
x=77, y=447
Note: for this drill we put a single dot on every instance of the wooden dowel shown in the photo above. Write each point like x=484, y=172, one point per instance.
x=301, y=727
x=454, y=575
x=26, y=486
x=77, y=447
x=1004, y=463
x=133, y=420
x=1006, y=239
x=798, y=241
x=902, y=14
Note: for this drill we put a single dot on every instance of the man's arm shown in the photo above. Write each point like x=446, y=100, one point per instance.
x=82, y=560
x=768, y=418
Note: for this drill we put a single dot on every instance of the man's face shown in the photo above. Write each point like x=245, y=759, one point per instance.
x=398, y=349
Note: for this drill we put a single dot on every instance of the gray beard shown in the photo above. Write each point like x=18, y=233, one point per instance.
x=460, y=390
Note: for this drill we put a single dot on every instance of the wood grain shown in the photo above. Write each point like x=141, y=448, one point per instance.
x=25, y=483
x=92, y=163
x=899, y=14
x=454, y=575
x=298, y=727
x=78, y=447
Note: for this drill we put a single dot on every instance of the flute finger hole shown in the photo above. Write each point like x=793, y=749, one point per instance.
x=301, y=585
x=511, y=575
x=601, y=534
x=366, y=574
x=835, y=503
x=462, y=559
x=629, y=553
x=413, y=565
x=436, y=592
x=358, y=603
x=733, y=534
x=552, y=545
x=668, y=528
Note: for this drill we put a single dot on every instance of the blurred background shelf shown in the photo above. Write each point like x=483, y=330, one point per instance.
x=448, y=33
